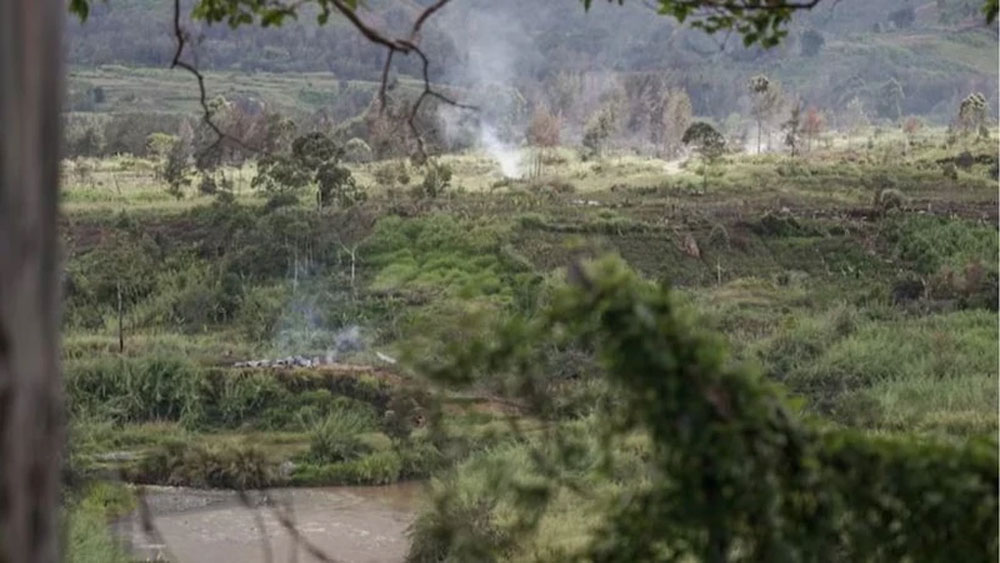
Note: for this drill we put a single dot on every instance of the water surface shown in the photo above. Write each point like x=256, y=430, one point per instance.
x=345, y=524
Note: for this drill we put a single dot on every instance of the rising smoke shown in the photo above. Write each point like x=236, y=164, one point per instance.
x=491, y=41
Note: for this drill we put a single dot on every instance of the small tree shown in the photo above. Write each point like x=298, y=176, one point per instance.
x=765, y=99
x=972, y=112
x=87, y=144
x=855, y=118
x=709, y=143
x=890, y=100
x=336, y=185
x=350, y=228
x=280, y=175
x=175, y=169
x=811, y=43
x=911, y=127
x=83, y=172
x=543, y=134
x=159, y=145
x=813, y=126
x=436, y=181
x=793, y=129
x=599, y=129
x=314, y=158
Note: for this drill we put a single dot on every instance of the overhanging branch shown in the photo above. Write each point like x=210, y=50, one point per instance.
x=404, y=46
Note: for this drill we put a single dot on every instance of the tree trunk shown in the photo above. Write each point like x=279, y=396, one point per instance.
x=758, y=137
x=31, y=415
x=121, y=330
x=353, y=262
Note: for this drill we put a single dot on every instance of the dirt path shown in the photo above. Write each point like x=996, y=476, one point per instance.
x=345, y=524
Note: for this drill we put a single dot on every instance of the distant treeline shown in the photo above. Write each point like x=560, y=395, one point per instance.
x=833, y=54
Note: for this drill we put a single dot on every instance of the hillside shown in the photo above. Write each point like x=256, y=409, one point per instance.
x=939, y=58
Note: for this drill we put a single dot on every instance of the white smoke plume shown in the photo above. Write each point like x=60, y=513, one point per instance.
x=491, y=41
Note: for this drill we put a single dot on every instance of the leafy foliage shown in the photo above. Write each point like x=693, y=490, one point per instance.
x=436, y=181
x=709, y=143
x=599, y=129
x=175, y=169
x=745, y=17
x=793, y=129
x=315, y=158
x=737, y=476
x=972, y=112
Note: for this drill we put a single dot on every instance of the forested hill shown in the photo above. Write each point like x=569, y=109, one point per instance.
x=937, y=51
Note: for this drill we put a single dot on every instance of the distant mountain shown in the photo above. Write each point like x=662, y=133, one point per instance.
x=938, y=52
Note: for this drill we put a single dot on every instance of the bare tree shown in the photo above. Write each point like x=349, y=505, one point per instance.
x=676, y=118
x=31, y=412
x=766, y=101
x=543, y=134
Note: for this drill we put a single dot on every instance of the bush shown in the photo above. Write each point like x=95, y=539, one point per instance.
x=207, y=185
x=929, y=244
x=436, y=181
x=356, y=150
x=392, y=174
x=240, y=398
x=376, y=468
x=974, y=286
x=888, y=199
x=337, y=437
x=336, y=185
x=260, y=312
x=228, y=466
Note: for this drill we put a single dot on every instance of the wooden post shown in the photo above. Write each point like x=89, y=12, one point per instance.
x=31, y=412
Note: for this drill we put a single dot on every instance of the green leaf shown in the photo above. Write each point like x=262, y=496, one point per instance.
x=81, y=8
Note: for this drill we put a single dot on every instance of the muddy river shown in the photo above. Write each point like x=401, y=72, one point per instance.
x=343, y=524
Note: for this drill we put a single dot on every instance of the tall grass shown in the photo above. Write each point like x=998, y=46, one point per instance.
x=935, y=373
x=134, y=389
x=89, y=538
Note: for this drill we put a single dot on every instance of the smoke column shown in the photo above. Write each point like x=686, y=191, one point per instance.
x=488, y=38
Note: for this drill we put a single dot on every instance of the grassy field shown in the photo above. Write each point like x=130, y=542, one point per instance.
x=877, y=313
x=160, y=90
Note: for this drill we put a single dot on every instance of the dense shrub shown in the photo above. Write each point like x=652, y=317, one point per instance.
x=392, y=174
x=732, y=472
x=436, y=181
x=930, y=243
x=229, y=466
x=337, y=436
x=437, y=253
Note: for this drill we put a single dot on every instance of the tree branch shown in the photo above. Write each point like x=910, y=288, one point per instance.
x=176, y=62
x=373, y=35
